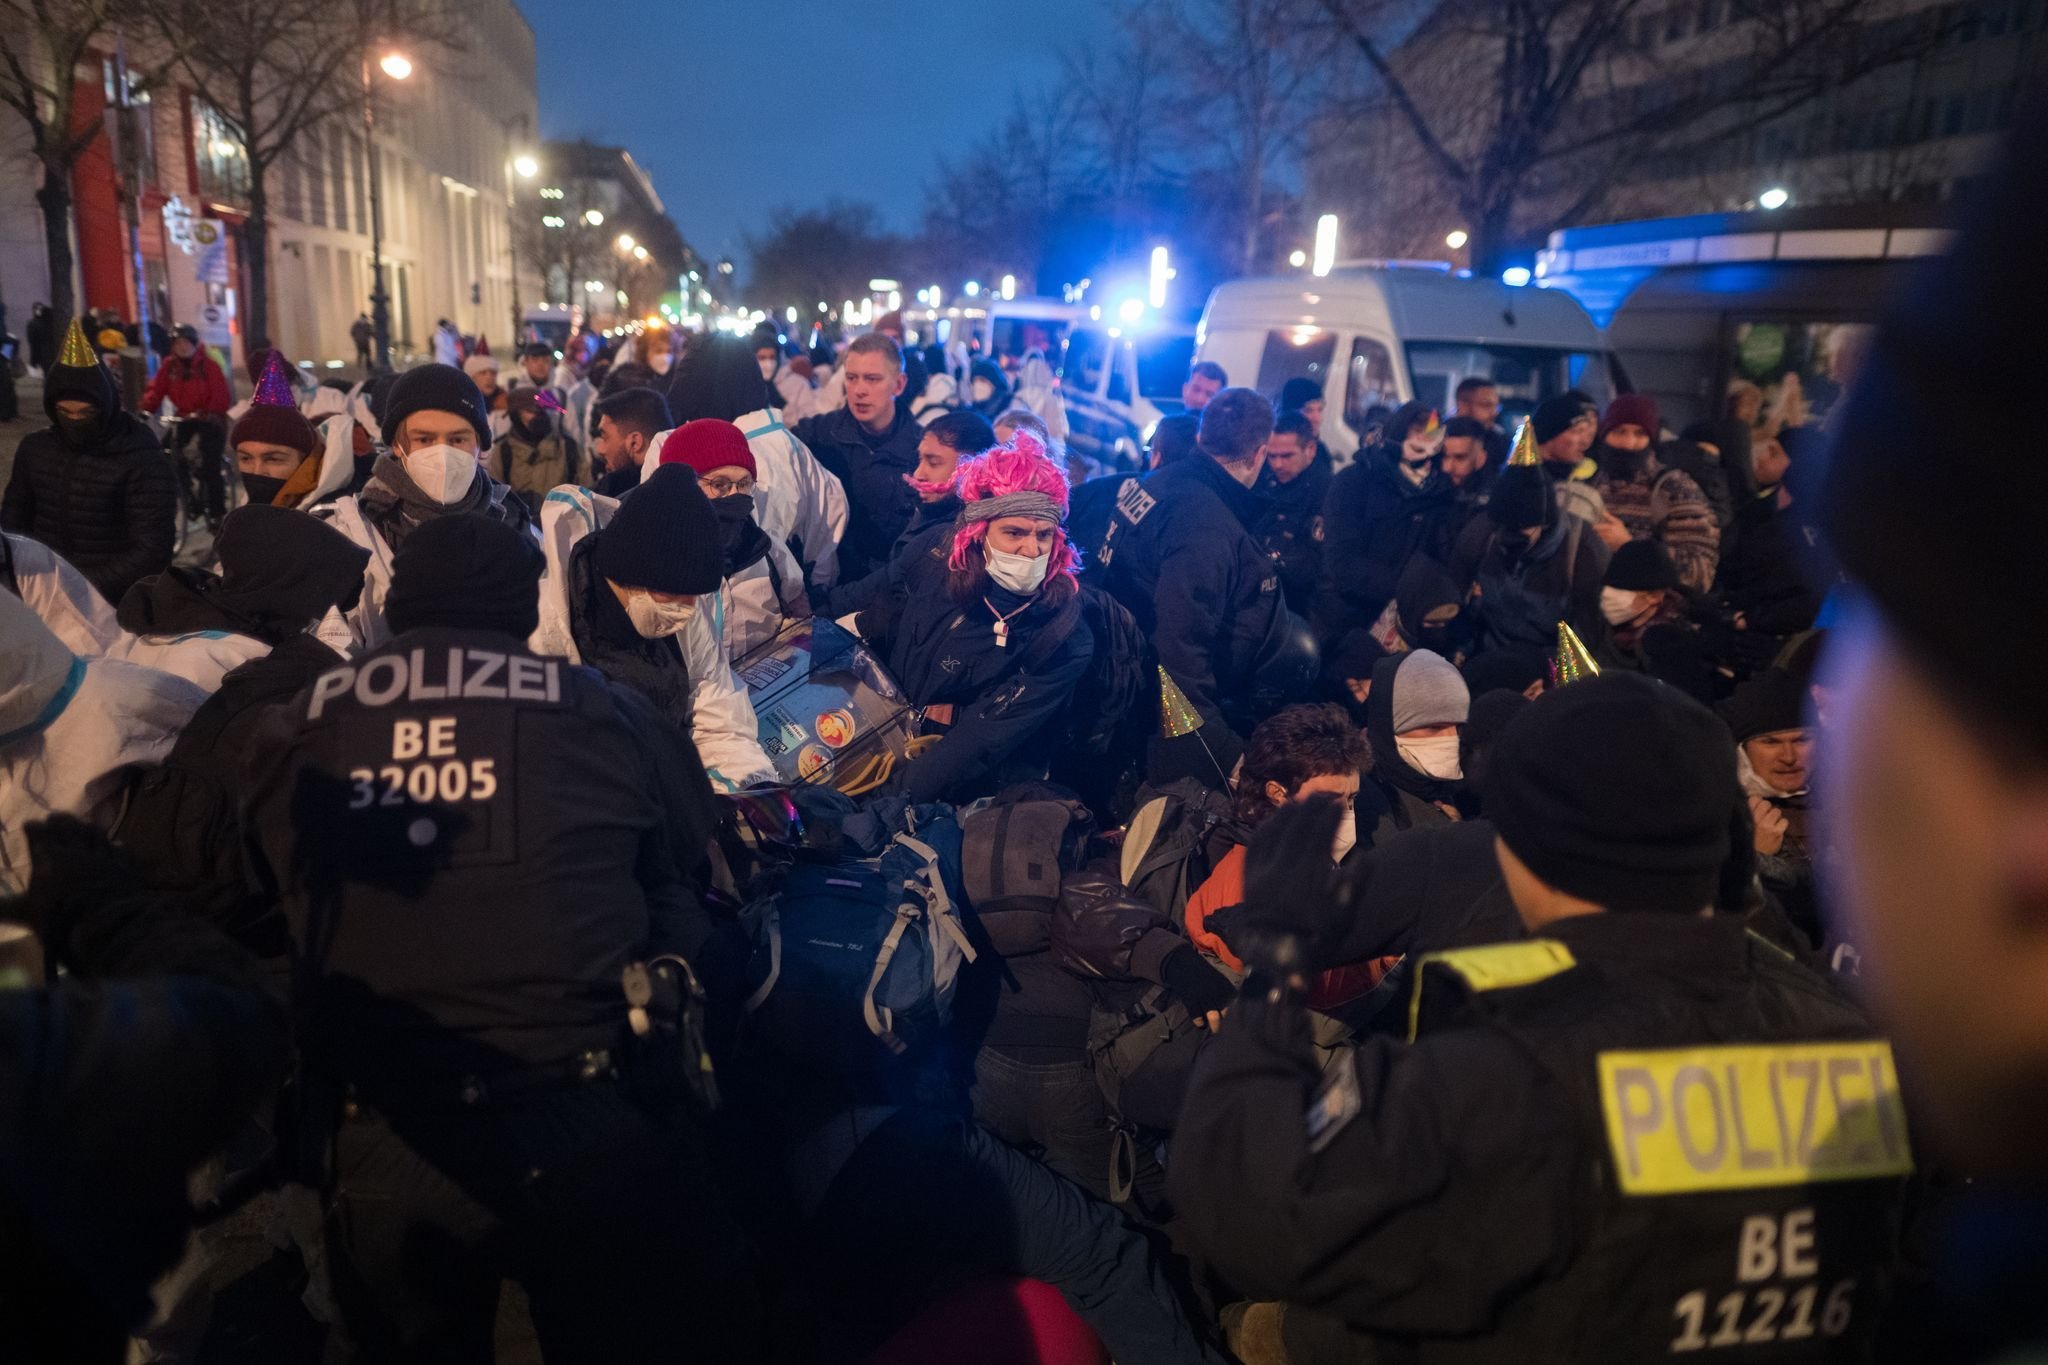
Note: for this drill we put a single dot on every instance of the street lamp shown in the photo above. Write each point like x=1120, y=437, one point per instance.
x=1326, y=244
x=1456, y=238
x=525, y=167
x=1297, y=258
x=626, y=241
x=639, y=253
x=1775, y=197
x=396, y=66
x=594, y=217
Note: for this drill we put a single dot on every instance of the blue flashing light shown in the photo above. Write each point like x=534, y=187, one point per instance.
x=1515, y=276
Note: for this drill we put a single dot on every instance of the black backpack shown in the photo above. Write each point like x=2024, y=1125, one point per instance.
x=1181, y=831
x=1109, y=690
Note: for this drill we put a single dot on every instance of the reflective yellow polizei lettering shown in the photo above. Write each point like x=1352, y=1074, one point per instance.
x=1684, y=1120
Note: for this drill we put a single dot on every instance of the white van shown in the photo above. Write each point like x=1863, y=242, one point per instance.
x=1118, y=382
x=1378, y=336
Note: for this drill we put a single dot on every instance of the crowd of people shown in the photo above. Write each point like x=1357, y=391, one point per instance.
x=1280, y=911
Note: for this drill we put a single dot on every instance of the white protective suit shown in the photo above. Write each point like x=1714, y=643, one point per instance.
x=200, y=657
x=722, y=722
x=70, y=729
x=802, y=398
x=69, y=605
x=1038, y=390
x=795, y=497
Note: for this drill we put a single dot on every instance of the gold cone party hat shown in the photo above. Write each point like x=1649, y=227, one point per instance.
x=1177, y=715
x=1573, y=663
x=1524, y=452
x=77, y=352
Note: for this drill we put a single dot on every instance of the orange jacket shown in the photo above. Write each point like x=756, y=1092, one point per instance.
x=1225, y=887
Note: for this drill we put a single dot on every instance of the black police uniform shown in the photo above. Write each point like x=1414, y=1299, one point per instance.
x=1290, y=528
x=470, y=843
x=1638, y=1136
x=1179, y=557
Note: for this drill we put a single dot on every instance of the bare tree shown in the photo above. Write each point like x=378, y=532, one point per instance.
x=823, y=254
x=556, y=236
x=1514, y=100
x=42, y=45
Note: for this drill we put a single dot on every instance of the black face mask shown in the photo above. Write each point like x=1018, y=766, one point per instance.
x=736, y=530
x=261, y=488
x=80, y=431
x=533, y=429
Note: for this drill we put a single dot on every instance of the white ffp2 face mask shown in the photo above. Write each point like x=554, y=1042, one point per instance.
x=653, y=619
x=1435, y=757
x=1021, y=574
x=1618, y=605
x=1347, y=836
x=442, y=473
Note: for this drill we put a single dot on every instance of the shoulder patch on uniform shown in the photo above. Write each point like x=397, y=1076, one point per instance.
x=1686, y=1120
x=1492, y=967
x=1133, y=501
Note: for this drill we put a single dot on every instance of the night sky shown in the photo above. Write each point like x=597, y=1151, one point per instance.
x=736, y=108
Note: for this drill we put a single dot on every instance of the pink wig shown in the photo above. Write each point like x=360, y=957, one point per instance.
x=1021, y=466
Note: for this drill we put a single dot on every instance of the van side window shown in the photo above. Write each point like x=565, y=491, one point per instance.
x=1296, y=353
x=1370, y=384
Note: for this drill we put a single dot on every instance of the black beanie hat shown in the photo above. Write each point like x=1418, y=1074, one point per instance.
x=1617, y=790
x=1770, y=702
x=1555, y=414
x=1970, y=324
x=664, y=537
x=1642, y=566
x=1522, y=497
x=434, y=388
x=1509, y=667
x=466, y=571
x=284, y=565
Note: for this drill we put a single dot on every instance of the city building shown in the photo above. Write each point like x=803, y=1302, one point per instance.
x=1916, y=130
x=446, y=137
x=597, y=234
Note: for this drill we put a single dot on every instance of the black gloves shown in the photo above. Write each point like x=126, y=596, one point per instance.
x=73, y=869
x=1200, y=987
x=1295, y=904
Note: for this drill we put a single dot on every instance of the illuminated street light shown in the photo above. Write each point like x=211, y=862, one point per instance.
x=1131, y=309
x=396, y=65
x=1009, y=286
x=639, y=253
x=626, y=242
x=1297, y=258
x=593, y=217
x=938, y=296
x=1161, y=273
x=1775, y=197
x=972, y=289
x=525, y=166
x=1456, y=238
x=1326, y=243
x=1515, y=276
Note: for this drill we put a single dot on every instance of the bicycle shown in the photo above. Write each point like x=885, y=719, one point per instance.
x=178, y=434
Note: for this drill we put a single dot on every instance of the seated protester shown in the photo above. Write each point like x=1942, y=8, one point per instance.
x=1763, y=575
x=1295, y=482
x=435, y=421
x=1774, y=749
x=1529, y=565
x=350, y=434
x=1347, y=672
x=277, y=452
x=71, y=729
x=796, y=499
x=534, y=454
x=1643, y=627
x=1429, y=610
x=1297, y=753
x=1648, y=500
x=624, y=593
x=1489, y=715
x=281, y=574
x=946, y=442
x=1416, y=709
x=1388, y=507
x=623, y=439
x=763, y=586
x=1481, y=1142
x=1467, y=462
x=71, y=607
x=991, y=644
x=1523, y=669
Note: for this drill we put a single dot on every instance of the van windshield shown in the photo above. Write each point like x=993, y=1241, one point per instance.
x=1525, y=375
x=1296, y=353
x=1164, y=360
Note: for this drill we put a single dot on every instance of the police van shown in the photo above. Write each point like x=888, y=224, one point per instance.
x=1118, y=381
x=1376, y=336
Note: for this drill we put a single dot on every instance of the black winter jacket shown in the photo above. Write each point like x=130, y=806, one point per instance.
x=1181, y=559
x=930, y=529
x=111, y=509
x=1290, y=530
x=871, y=468
x=1374, y=522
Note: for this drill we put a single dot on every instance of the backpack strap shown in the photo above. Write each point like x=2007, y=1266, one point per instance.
x=1051, y=636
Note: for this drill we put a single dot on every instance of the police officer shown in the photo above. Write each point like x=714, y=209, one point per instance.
x=471, y=843
x=1640, y=1131
x=1179, y=554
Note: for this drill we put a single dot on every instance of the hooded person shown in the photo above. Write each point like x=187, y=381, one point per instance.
x=1390, y=506
x=58, y=593
x=71, y=729
x=533, y=454
x=281, y=574
x=436, y=431
x=483, y=370
x=763, y=587
x=991, y=643
x=278, y=455
x=796, y=499
x=631, y=590
x=1414, y=714
x=1530, y=565
x=95, y=486
x=1519, y=1059
x=1647, y=498
x=1644, y=623
x=1038, y=389
x=1523, y=669
x=988, y=388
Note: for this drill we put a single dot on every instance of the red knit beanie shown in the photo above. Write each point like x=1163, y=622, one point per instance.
x=707, y=444
x=1631, y=410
